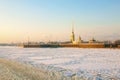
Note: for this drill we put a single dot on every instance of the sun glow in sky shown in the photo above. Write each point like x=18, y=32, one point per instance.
x=44, y=20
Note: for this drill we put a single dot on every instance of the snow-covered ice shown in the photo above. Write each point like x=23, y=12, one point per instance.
x=79, y=61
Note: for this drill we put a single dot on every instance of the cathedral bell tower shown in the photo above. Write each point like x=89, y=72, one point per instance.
x=72, y=37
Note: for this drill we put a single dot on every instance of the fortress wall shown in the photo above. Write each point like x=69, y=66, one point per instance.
x=92, y=45
x=84, y=45
x=81, y=45
x=118, y=46
x=29, y=46
x=69, y=45
x=40, y=45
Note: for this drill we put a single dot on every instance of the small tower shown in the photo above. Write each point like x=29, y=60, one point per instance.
x=92, y=40
x=72, y=37
x=79, y=40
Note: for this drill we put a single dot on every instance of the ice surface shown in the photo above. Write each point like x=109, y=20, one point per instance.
x=79, y=61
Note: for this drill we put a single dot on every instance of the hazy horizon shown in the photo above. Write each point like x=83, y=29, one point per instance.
x=44, y=20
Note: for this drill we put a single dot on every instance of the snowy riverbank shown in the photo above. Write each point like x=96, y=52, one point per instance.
x=71, y=63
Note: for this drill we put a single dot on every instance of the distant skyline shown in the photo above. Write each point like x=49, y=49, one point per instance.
x=51, y=20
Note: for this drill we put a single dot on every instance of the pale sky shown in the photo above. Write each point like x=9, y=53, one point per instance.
x=44, y=20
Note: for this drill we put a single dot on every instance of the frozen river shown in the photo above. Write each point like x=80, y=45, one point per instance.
x=79, y=61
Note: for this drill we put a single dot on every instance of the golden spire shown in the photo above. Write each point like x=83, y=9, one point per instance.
x=72, y=27
x=72, y=37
